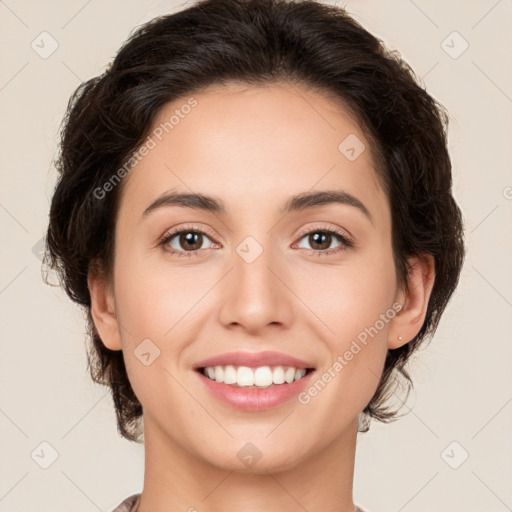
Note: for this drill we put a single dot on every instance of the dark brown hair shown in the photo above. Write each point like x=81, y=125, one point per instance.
x=255, y=42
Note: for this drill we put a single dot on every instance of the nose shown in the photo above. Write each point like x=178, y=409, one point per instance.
x=257, y=291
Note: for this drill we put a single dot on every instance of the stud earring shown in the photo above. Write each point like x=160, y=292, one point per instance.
x=399, y=338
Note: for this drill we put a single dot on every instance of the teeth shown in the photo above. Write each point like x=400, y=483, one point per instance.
x=263, y=376
x=219, y=374
x=229, y=375
x=289, y=375
x=244, y=376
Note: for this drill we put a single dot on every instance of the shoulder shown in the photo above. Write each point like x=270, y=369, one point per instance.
x=130, y=504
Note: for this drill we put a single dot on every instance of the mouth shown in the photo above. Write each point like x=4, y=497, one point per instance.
x=261, y=377
x=254, y=381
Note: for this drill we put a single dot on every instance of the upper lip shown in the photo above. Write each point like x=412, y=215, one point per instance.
x=253, y=360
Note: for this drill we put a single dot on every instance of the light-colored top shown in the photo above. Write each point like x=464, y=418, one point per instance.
x=132, y=502
x=129, y=504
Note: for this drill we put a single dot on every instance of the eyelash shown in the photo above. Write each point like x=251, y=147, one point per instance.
x=347, y=242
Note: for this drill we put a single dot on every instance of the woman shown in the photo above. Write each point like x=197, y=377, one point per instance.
x=254, y=207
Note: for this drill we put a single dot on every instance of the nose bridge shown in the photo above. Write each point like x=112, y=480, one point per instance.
x=253, y=260
x=255, y=297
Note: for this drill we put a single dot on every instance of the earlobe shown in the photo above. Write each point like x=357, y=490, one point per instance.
x=420, y=281
x=103, y=310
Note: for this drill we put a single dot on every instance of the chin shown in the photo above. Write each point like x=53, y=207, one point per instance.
x=253, y=458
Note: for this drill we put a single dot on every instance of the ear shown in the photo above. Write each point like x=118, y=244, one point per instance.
x=409, y=320
x=103, y=310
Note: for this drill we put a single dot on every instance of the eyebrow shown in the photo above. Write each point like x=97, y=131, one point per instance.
x=300, y=202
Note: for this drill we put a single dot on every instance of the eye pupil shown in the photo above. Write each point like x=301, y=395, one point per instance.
x=319, y=236
x=189, y=240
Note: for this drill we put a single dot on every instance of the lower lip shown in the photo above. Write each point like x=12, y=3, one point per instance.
x=253, y=399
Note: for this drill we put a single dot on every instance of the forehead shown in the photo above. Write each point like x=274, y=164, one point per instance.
x=254, y=146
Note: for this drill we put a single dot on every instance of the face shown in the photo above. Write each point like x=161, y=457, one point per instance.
x=313, y=284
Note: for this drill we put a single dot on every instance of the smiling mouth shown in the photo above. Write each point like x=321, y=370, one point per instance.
x=261, y=377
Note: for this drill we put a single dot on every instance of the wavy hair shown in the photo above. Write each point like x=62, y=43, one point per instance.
x=255, y=42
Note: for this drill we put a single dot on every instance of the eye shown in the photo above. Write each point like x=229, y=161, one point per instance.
x=188, y=238
x=321, y=238
x=189, y=241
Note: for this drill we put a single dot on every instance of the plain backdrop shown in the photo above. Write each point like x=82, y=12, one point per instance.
x=451, y=452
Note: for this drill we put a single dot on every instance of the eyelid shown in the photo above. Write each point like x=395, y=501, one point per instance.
x=346, y=239
x=323, y=227
x=188, y=227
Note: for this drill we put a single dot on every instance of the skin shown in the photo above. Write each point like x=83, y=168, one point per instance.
x=254, y=147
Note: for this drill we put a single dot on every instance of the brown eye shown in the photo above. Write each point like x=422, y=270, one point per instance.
x=190, y=240
x=185, y=242
x=320, y=241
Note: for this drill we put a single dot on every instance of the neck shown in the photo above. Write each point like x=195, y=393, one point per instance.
x=175, y=480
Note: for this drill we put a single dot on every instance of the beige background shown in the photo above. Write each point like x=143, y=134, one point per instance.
x=463, y=379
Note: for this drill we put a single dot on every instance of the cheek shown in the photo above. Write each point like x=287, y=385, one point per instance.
x=354, y=306
x=349, y=299
x=155, y=308
x=156, y=300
